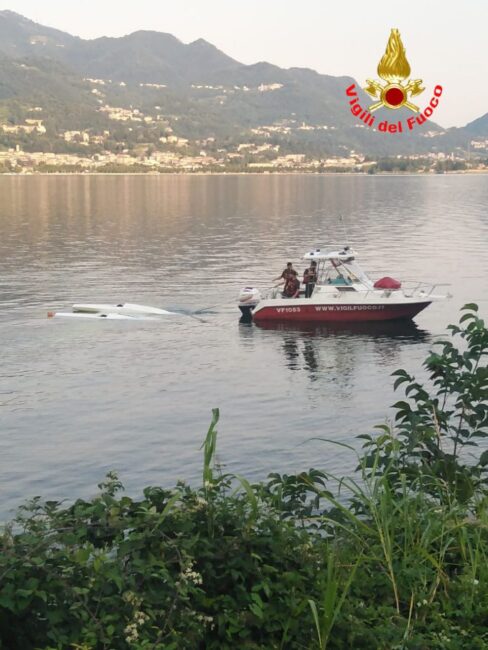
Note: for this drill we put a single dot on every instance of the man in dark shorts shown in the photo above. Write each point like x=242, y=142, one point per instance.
x=310, y=279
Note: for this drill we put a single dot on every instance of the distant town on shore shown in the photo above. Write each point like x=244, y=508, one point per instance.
x=147, y=102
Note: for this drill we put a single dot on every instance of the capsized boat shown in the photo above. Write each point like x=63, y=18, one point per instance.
x=100, y=315
x=343, y=292
x=124, y=309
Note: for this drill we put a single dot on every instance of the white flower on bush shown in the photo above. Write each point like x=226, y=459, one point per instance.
x=206, y=620
x=131, y=633
x=188, y=575
x=192, y=576
x=131, y=598
x=139, y=618
x=200, y=503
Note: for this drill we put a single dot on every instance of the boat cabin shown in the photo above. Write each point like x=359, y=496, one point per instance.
x=339, y=269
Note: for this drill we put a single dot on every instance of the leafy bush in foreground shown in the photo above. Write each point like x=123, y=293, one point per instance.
x=397, y=558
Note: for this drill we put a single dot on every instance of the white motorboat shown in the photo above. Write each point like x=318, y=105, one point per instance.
x=343, y=292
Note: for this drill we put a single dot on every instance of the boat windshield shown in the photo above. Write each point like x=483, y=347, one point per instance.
x=338, y=272
x=339, y=268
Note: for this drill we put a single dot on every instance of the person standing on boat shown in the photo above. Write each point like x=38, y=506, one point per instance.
x=310, y=279
x=292, y=286
x=287, y=272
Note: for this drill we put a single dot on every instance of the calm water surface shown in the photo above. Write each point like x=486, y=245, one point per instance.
x=78, y=398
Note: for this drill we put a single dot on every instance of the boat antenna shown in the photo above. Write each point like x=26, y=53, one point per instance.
x=345, y=229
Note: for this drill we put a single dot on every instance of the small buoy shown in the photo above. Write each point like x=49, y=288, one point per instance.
x=51, y=314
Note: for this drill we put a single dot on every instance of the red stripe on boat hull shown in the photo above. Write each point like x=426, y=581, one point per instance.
x=334, y=313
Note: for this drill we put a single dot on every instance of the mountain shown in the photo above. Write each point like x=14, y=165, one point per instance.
x=147, y=57
x=21, y=37
x=143, y=56
x=193, y=89
x=39, y=79
x=478, y=127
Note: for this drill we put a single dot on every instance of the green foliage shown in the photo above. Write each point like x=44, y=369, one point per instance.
x=437, y=425
x=396, y=558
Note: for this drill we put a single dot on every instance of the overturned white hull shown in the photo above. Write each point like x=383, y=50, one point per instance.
x=99, y=316
x=123, y=309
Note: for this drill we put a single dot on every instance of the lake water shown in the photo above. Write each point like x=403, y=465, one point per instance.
x=79, y=398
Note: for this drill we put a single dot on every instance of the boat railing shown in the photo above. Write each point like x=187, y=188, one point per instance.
x=413, y=288
x=410, y=289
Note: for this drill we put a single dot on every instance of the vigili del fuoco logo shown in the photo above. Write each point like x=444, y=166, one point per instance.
x=396, y=91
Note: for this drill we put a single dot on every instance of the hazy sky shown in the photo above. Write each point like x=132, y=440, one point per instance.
x=446, y=41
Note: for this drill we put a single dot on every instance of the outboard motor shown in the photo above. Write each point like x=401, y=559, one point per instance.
x=248, y=299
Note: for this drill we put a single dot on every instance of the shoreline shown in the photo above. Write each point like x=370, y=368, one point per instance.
x=475, y=172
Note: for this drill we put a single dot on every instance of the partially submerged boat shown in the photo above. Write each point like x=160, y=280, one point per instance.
x=122, y=311
x=109, y=316
x=343, y=292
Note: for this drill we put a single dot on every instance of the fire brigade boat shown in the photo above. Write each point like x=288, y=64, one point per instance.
x=343, y=292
